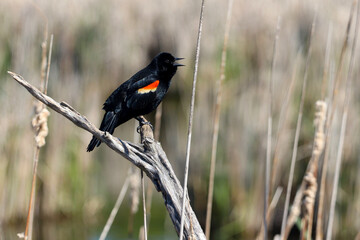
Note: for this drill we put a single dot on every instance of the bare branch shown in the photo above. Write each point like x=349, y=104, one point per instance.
x=148, y=156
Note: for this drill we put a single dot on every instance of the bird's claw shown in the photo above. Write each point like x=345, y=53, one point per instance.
x=144, y=123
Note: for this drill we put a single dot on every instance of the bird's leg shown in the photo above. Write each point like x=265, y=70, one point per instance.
x=143, y=121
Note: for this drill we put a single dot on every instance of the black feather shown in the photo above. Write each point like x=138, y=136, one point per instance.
x=127, y=101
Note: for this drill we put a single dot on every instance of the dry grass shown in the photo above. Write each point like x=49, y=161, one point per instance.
x=297, y=131
x=40, y=127
x=216, y=122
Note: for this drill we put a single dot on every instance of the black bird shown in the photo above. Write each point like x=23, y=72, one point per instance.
x=139, y=95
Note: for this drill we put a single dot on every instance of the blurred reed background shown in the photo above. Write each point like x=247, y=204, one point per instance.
x=100, y=44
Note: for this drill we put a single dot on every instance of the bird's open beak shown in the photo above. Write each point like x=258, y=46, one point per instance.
x=178, y=64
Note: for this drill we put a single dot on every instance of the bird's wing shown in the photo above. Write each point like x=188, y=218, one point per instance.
x=140, y=80
x=143, y=85
x=115, y=98
x=142, y=92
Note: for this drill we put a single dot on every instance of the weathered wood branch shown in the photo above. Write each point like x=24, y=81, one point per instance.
x=148, y=156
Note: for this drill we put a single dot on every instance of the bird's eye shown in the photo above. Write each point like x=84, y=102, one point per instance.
x=167, y=61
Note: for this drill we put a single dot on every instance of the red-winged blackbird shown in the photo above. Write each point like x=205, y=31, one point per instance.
x=139, y=95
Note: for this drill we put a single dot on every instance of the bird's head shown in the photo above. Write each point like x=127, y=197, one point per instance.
x=166, y=62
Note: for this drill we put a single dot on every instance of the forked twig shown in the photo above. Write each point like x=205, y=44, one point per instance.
x=148, y=156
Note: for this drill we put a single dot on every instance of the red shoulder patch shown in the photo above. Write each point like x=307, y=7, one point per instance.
x=149, y=88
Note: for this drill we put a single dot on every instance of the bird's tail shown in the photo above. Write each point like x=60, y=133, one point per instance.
x=108, y=124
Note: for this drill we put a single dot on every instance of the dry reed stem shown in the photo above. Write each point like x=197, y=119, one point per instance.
x=43, y=59
x=215, y=135
x=39, y=124
x=339, y=70
x=297, y=131
x=332, y=97
x=310, y=178
x=270, y=211
x=332, y=103
x=188, y=146
x=282, y=119
x=336, y=177
x=269, y=132
x=319, y=221
x=144, y=203
x=343, y=125
x=357, y=236
x=294, y=211
x=30, y=216
x=308, y=201
x=135, y=183
x=115, y=210
x=48, y=64
x=149, y=194
x=327, y=61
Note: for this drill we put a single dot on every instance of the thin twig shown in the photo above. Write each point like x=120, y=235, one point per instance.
x=217, y=121
x=115, y=209
x=297, y=132
x=188, y=146
x=343, y=127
